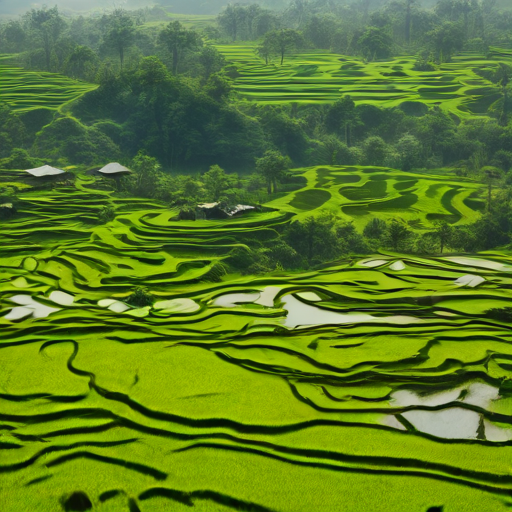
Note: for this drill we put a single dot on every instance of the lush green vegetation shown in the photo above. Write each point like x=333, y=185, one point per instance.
x=79, y=387
x=297, y=298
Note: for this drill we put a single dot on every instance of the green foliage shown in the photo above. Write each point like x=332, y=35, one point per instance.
x=445, y=40
x=215, y=182
x=375, y=43
x=178, y=39
x=120, y=33
x=106, y=214
x=145, y=179
x=141, y=297
x=20, y=159
x=375, y=229
x=399, y=235
x=272, y=167
x=282, y=42
x=12, y=131
x=68, y=139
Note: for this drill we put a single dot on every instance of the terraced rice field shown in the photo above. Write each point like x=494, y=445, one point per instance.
x=25, y=90
x=322, y=77
x=377, y=383
x=359, y=193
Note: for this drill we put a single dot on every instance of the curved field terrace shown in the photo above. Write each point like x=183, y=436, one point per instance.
x=319, y=76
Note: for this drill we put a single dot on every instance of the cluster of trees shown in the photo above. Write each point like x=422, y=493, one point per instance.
x=186, y=191
x=377, y=30
x=90, y=47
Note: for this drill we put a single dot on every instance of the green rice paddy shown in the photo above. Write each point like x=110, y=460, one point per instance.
x=372, y=384
x=319, y=76
x=357, y=194
x=24, y=90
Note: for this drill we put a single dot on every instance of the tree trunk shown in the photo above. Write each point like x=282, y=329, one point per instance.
x=348, y=135
x=504, y=112
x=408, y=23
x=175, y=60
x=269, y=186
x=121, y=56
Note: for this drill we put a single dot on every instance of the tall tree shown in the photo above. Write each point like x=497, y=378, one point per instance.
x=78, y=59
x=45, y=27
x=283, y=41
x=444, y=233
x=340, y=117
x=176, y=38
x=211, y=60
x=231, y=19
x=398, y=234
x=121, y=33
x=272, y=167
x=491, y=175
x=504, y=76
x=215, y=182
x=408, y=16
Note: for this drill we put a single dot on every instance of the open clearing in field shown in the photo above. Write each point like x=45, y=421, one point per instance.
x=25, y=90
x=319, y=76
x=247, y=392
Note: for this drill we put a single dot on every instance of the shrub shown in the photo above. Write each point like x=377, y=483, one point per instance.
x=140, y=298
x=106, y=214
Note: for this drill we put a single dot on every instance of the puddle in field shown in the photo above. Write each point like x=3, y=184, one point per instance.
x=469, y=280
x=61, y=298
x=177, y=306
x=27, y=306
x=302, y=315
x=231, y=300
x=454, y=422
x=478, y=262
x=451, y=423
x=397, y=265
x=264, y=298
x=371, y=263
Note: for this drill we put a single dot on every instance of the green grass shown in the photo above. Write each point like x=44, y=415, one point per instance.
x=322, y=77
x=25, y=90
x=227, y=408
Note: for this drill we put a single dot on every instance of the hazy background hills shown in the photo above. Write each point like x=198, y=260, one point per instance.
x=15, y=7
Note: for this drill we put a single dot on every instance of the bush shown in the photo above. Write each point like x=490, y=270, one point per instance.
x=20, y=159
x=424, y=65
x=375, y=229
x=106, y=214
x=140, y=298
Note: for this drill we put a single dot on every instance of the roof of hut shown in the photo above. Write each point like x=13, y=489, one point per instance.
x=44, y=171
x=114, y=168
